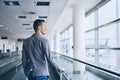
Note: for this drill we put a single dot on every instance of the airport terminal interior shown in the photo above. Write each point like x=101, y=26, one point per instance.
x=84, y=37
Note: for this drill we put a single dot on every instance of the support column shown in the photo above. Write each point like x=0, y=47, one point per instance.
x=78, y=38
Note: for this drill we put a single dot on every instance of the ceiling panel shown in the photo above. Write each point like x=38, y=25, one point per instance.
x=42, y=10
x=27, y=5
x=9, y=16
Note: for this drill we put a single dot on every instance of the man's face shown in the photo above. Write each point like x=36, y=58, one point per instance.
x=43, y=28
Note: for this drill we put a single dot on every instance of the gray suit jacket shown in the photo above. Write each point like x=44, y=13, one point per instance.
x=36, y=56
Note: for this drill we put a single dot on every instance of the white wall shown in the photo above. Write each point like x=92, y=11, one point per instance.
x=1, y=44
x=9, y=44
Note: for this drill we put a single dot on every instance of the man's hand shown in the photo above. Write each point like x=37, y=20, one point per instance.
x=61, y=70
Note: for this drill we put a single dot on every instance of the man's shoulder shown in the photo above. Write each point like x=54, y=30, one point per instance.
x=26, y=39
x=43, y=39
x=39, y=38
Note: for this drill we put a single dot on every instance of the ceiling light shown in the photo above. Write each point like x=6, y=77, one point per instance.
x=4, y=37
x=10, y=3
x=42, y=3
x=20, y=40
x=42, y=16
x=22, y=17
x=31, y=12
x=7, y=3
x=25, y=24
x=15, y=3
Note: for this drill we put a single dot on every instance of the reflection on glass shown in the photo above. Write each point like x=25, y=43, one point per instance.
x=108, y=36
x=69, y=66
x=90, y=56
x=119, y=8
x=89, y=21
x=109, y=59
x=67, y=42
x=107, y=12
x=90, y=38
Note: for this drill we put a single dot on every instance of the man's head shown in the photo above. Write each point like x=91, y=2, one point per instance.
x=39, y=26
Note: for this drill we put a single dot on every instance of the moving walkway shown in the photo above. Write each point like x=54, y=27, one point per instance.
x=92, y=72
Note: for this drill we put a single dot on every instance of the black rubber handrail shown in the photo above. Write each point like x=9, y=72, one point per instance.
x=105, y=70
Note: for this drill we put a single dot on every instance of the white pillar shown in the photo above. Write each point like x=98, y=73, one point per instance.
x=78, y=38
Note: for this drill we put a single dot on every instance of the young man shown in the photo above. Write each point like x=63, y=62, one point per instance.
x=36, y=54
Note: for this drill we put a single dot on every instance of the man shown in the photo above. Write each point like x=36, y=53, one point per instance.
x=36, y=54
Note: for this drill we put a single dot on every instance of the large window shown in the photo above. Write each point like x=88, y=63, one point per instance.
x=108, y=36
x=103, y=38
x=67, y=42
x=119, y=8
x=90, y=39
x=107, y=12
x=89, y=21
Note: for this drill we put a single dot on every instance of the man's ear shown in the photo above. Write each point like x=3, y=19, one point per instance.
x=39, y=27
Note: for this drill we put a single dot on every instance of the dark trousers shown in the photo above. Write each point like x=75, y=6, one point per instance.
x=30, y=77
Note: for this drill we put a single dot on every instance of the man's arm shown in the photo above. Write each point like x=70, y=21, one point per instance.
x=24, y=59
x=49, y=57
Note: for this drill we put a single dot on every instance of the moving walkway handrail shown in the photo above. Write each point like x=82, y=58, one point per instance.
x=102, y=69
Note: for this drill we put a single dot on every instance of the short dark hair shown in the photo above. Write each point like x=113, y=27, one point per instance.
x=37, y=23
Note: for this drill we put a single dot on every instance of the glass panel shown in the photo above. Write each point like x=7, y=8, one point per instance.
x=89, y=21
x=119, y=8
x=67, y=42
x=62, y=36
x=72, y=70
x=62, y=47
x=66, y=34
x=109, y=59
x=107, y=13
x=118, y=33
x=68, y=65
x=107, y=36
x=71, y=31
x=71, y=47
x=67, y=47
x=118, y=61
x=90, y=56
x=90, y=39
